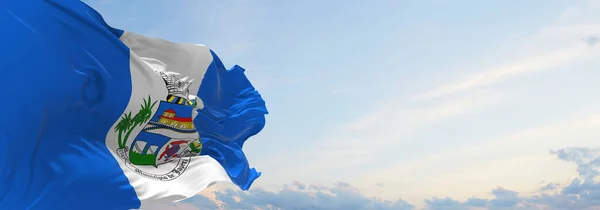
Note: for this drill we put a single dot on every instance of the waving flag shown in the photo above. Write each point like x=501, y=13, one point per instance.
x=94, y=117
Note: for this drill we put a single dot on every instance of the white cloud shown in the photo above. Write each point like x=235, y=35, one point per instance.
x=388, y=130
x=173, y=206
x=545, y=61
x=369, y=138
x=392, y=123
x=578, y=193
x=480, y=166
x=552, y=47
x=295, y=196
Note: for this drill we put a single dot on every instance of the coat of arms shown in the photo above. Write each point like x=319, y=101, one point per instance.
x=166, y=136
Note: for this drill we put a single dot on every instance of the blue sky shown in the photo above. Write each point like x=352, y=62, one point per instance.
x=431, y=102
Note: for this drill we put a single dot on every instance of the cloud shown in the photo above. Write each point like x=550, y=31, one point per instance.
x=502, y=198
x=551, y=47
x=387, y=128
x=399, y=125
x=591, y=41
x=298, y=196
x=201, y=201
x=524, y=66
x=177, y=206
x=340, y=196
x=477, y=166
x=580, y=193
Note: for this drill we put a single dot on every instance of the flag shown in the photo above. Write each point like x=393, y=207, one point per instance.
x=94, y=117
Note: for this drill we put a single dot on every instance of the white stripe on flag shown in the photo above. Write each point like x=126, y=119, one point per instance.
x=187, y=175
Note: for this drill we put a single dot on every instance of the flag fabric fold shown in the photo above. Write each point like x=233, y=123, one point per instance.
x=229, y=118
x=101, y=118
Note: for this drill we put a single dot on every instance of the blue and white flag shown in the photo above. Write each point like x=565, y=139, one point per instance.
x=99, y=118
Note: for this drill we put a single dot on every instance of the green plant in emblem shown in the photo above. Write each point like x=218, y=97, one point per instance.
x=196, y=147
x=128, y=123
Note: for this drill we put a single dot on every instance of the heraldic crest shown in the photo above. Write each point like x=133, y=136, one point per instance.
x=166, y=136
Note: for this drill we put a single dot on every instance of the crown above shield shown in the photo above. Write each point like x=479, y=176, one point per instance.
x=175, y=85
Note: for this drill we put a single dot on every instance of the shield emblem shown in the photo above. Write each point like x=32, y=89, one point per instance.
x=169, y=134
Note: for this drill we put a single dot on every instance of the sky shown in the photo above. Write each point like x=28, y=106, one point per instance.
x=397, y=104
